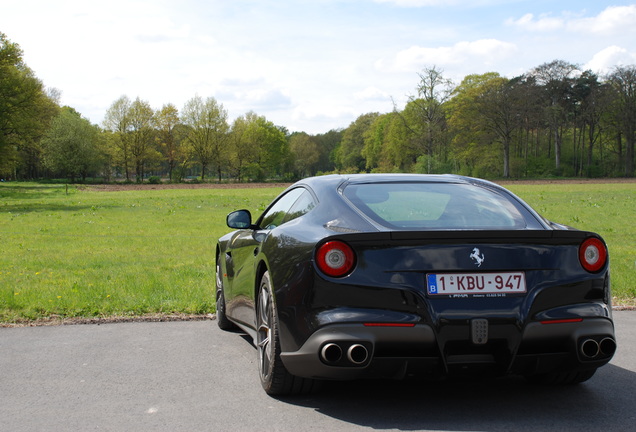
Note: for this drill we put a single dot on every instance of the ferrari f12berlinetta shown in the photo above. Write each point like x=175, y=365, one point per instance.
x=398, y=275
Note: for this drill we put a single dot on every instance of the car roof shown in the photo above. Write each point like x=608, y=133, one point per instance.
x=389, y=177
x=325, y=188
x=336, y=180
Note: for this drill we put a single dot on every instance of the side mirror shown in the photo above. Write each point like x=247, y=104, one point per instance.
x=240, y=219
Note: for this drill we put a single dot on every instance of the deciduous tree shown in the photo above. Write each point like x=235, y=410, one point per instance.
x=117, y=121
x=304, y=149
x=25, y=113
x=167, y=119
x=349, y=153
x=557, y=80
x=141, y=136
x=497, y=110
x=427, y=108
x=623, y=82
x=71, y=146
x=207, y=138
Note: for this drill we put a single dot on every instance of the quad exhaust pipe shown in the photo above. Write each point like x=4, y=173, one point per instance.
x=592, y=349
x=607, y=346
x=357, y=354
x=333, y=354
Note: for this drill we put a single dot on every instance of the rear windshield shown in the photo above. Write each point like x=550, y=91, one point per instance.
x=434, y=206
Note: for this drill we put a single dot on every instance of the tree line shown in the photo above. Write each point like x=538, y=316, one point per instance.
x=555, y=120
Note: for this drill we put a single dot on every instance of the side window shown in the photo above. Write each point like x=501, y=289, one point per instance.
x=275, y=215
x=303, y=205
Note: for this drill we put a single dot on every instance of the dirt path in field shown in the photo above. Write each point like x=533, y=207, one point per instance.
x=112, y=187
x=567, y=181
x=145, y=186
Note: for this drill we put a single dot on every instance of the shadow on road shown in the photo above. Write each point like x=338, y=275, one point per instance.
x=494, y=405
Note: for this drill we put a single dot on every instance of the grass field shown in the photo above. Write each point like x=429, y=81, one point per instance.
x=111, y=253
x=608, y=209
x=85, y=253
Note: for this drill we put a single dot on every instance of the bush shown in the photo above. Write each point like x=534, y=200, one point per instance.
x=432, y=165
x=154, y=180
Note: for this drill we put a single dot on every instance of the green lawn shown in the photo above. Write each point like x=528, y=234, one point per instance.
x=606, y=208
x=112, y=253
x=83, y=253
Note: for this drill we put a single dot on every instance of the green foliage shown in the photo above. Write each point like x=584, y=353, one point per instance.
x=327, y=144
x=25, y=113
x=169, y=140
x=207, y=132
x=258, y=149
x=306, y=154
x=154, y=180
x=271, y=144
x=432, y=165
x=349, y=154
x=118, y=125
x=141, y=137
x=70, y=147
x=554, y=120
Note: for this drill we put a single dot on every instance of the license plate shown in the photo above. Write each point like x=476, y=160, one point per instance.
x=476, y=284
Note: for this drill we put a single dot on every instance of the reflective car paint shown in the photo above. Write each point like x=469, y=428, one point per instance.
x=379, y=320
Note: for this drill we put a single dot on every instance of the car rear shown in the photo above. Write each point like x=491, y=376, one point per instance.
x=494, y=290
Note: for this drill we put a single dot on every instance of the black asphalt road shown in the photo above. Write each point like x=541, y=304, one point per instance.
x=191, y=376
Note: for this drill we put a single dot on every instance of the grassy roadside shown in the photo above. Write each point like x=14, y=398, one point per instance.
x=82, y=253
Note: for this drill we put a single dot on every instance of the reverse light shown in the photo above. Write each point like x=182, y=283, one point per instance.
x=335, y=258
x=593, y=254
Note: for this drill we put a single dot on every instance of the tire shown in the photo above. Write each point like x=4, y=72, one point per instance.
x=562, y=378
x=275, y=379
x=221, y=319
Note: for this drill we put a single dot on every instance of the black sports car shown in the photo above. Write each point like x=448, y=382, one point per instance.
x=397, y=275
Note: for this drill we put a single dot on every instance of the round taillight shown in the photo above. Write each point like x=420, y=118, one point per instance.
x=335, y=258
x=592, y=254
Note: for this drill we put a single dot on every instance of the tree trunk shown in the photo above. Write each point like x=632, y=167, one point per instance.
x=557, y=148
x=629, y=155
x=506, y=154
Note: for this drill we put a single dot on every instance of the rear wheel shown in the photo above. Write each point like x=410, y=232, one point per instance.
x=275, y=379
x=563, y=378
x=221, y=319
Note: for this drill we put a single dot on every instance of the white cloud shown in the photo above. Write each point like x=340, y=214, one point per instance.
x=240, y=94
x=320, y=117
x=371, y=94
x=254, y=99
x=604, y=60
x=542, y=24
x=419, y=3
x=480, y=52
x=444, y=3
x=612, y=20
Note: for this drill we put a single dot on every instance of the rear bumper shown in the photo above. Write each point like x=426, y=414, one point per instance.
x=352, y=350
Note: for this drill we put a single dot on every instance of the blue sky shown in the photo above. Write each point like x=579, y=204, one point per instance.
x=307, y=65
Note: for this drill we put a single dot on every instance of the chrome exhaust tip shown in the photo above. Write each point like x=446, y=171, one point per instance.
x=331, y=353
x=357, y=354
x=607, y=346
x=590, y=348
